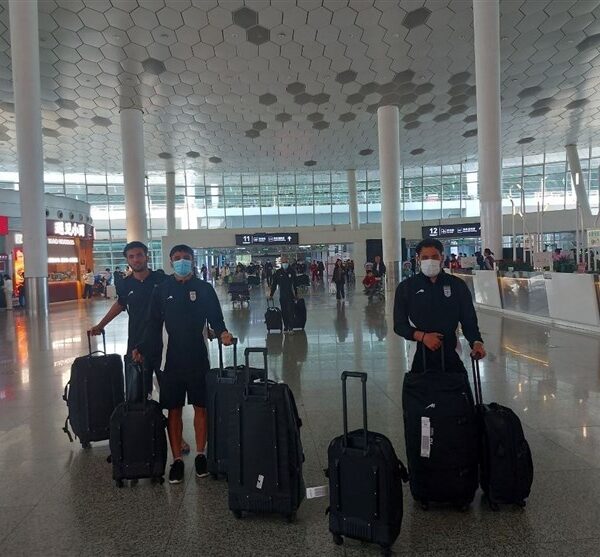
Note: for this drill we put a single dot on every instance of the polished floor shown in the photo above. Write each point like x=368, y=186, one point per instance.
x=56, y=499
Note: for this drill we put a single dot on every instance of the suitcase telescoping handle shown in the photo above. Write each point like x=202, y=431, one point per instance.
x=234, y=343
x=441, y=350
x=257, y=350
x=249, y=383
x=477, y=382
x=89, y=337
x=363, y=379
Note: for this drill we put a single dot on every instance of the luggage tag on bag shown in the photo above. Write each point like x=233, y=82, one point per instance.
x=259, y=482
x=319, y=491
x=426, y=437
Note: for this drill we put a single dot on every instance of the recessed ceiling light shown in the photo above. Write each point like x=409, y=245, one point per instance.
x=281, y=35
x=504, y=38
x=234, y=35
x=165, y=35
x=396, y=35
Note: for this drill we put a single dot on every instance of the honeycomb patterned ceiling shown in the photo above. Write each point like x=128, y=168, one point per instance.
x=261, y=85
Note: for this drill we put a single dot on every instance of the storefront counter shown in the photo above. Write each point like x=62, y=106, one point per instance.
x=64, y=290
x=566, y=299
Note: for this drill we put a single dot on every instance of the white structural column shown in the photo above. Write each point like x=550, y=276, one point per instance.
x=353, y=200
x=24, y=42
x=486, y=22
x=132, y=139
x=578, y=182
x=388, y=127
x=170, y=202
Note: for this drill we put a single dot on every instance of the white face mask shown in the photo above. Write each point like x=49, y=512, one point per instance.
x=431, y=267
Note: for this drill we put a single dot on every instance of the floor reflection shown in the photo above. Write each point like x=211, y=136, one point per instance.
x=550, y=377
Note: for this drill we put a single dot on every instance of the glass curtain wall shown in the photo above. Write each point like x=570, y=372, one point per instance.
x=209, y=200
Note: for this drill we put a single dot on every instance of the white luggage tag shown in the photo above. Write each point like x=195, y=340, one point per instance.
x=426, y=437
x=319, y=491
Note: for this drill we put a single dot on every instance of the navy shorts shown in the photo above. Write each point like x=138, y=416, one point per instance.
x=174, y=387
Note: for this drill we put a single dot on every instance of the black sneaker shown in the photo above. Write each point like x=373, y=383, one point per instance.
x=177, y=472
x=201, y=466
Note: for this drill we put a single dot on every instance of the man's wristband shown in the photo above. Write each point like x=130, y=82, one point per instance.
x=423, y=336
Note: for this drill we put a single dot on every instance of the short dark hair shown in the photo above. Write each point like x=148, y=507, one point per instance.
x=181, y=247
x=430, y=243
x=134, y=245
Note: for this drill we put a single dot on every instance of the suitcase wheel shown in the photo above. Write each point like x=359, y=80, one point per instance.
x=158, y=480
x=237, y=514
x=386, y=550
x=464, y=507
x=214, y=475
x=494, y=506
x=338, y=540
x=133, y=482
x=522, y=504
x=424, y=505
x=120, y=483
x=86, y=445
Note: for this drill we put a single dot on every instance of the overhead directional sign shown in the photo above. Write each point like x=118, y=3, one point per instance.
x=452, y=231
x=267, y=239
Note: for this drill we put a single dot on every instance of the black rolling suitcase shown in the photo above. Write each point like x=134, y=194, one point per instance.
x=365, y=482
x=138, y=440
x=265, y=455
x=299, y=314
x=273, y=317
x=94, y=390
x=506, y=472
x=302, y=280
x=253, y=280
x=224, y=386
x=440, y=429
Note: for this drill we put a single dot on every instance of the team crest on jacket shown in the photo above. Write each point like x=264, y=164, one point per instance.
x=447, y=291
x=193, y=295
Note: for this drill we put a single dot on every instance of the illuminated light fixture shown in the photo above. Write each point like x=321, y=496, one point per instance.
x=545, y=363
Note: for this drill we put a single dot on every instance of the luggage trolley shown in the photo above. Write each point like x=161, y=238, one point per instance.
x=240, y=293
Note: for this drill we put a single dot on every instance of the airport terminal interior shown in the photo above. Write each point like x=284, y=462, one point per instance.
x=288, y=137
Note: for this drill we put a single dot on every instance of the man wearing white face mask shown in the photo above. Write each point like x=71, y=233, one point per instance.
x=185, y=304
x=429, y=306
